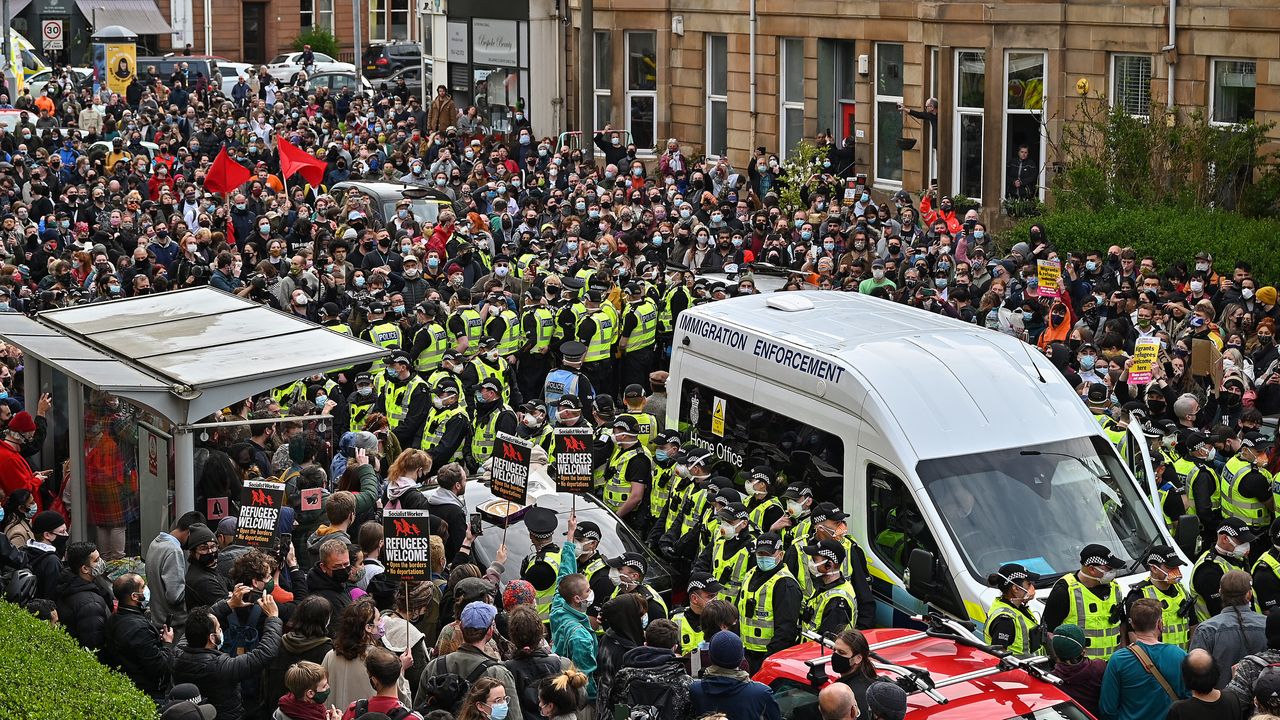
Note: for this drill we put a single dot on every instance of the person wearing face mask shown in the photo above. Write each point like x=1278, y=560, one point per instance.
x=217, y=674
x=82, y=596
x=490, y=415
x=796, y=524
x=1266, y=573
x=702, y=589
x=204, y=584
x=15, y=472
x=489, y=364
x=626, y=575
x=361, y=402
x=833, y=605
x=535, y=428
x=541, y=565
x=142, y=650
x=448, y=427
x=1229, y=552
x=662, y=495
x=625, y=618
x=1245, y=483
x=1011, y=624
x=769, y=604
x=878, y=280
x=730, y=552
x=1100, y=405
x=1164, y=585
x=1090, y=598
x=629, y=472
x=763, y=508
x=685, y=521
x=571, y=633
x=405, y=400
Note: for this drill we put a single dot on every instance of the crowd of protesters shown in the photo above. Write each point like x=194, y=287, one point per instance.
x=538, y=260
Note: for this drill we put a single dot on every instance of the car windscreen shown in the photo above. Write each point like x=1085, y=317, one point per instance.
x=423, y=210
x=1039, y=505
x=279, y=60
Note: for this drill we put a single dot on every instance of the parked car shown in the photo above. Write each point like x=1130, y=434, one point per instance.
x=948, y=672
x=285, y=68
x=165, y=65
x=233, y=71
x=425, y=203
x=337, y=80
x=37, y=82
x=102, y=147
x=412, y=79
x=383, y=59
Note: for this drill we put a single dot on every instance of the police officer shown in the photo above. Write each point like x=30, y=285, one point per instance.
x=1245, y=485
x=1010, y=622
x=627, y=571
x=634, y=400
x=680, y=540
x=488, y=364
x=730, y=552
x=540, y=566
x=828, y=523
x=723, y=494
x=405, y=400
x=795, y=524
x=638, y=336
x=1099, y=402
x=1090, y=598
x=1204, y=489
x=769, y=603
x=764, y=509
x=702, y=589
x=833, y=605
x=1230, y=552
x=630, y=471
x=432, y=339
x=568, y=380
x=535, y=428
x=447, y=432
x=490, y=416
x=592, y=564
x=501, y=321
x=599, y=332
x=289, y=394
x=666, y=448
x=1164, y=584
x=465, y=325
x=1266, y=573
x=360, y=402
x=571, y=308
x=537, y=331
x=381, y=332
x=675, y=300
x=452, y=363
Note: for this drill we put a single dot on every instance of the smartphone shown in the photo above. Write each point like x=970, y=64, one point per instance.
x=476, y=528
x=349, y=452
x=933, y=182
x=253, y=596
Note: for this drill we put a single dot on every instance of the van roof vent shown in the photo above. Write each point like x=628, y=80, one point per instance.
x=789, y=302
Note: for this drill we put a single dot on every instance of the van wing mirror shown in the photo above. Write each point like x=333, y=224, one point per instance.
x=920, y=574
x=1185, y=533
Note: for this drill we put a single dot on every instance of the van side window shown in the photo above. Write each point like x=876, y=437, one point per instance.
x=894, y=522
x=744, y=435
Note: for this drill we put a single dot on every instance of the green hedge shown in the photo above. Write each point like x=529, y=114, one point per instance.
x=1166, y=234
x=47, y=675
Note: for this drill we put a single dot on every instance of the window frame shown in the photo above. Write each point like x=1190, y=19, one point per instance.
x=632, y=95
x=396, y=8
x=785, y=141
x=1113, y=95
x=958, y=112
x=1006, y=112
x=602, y=41
x=1213, y=89
x=879, y=98
x=379, y=8
x=712, y=98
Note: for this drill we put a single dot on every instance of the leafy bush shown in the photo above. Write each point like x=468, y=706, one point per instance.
x=47, y=675
x=321, y=41
x=798, y=172
x=1166, y=234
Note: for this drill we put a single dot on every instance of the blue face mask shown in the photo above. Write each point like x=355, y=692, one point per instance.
x=1090, y=265
x=865, y=197
x=321, y=400
x=1087, y=361
x=498, y=712
x=360, y=281
x=31, y=512
x=1028, y=316
x=660, y=455
x=657, y=241
x=806, y=234
x=572, y=246
x=391, y=373
x=768, y=563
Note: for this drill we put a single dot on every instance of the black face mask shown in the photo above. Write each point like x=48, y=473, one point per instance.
x=341, y=575
x=841, y=664
x=210, y=561
x=1229, y=399
x=60, y=544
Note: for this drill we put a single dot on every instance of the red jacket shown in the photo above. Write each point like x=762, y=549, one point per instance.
x=439, y=242
x=155, y=183
x=932, y=216
x=16, y=474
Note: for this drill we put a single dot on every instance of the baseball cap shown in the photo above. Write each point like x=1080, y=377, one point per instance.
x=1266, y=689
x=570, y=401
x=827, y=549
x=1015, y=573
x=1098, y=554
x=667, y=437
x=1099, y=394
x=796, y=491
x=588, y=531
x=700, y=457
x=704, y=581
x=633, y=391
x=733, y=512
x=823, y=512
x=478, y=615
x=769, y=542
x=491, y=384
x=1235, y=529
x=627, y=424
x=1257, y=441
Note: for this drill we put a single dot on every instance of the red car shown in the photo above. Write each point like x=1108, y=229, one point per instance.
x=953, y=676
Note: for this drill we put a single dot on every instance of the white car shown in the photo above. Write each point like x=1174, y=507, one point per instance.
x=285, y=67
x=37, y=82
x=233, y=71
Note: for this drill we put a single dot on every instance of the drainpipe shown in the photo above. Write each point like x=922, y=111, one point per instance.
x=1171, y=50
x=751, y=52
x=208, y=27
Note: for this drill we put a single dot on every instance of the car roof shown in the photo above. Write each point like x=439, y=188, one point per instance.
x=1006, y=694
x=386, y=190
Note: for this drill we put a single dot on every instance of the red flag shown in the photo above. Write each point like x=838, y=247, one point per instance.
x=293, y=160
x=225, y=174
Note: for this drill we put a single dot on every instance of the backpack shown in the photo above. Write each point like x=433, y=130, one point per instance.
x=239, y=638
x=661, y=693
x=398, y=713
x=446, y=690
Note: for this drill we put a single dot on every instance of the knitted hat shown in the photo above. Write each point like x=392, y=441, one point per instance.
x=22, y=423
x=518, y=592
x=1266, y=295
x=886, y=700
x=726, y=650
x=198, y=535
x=1068, y=641
x=46, y=521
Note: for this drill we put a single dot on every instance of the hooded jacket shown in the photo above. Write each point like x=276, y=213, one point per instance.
x=648, y=673
x=733, y=693
x=453, y=510
x=337, y=593
x=624, y=632
x=83, y=609
x=293, y=648
x=571, y=633
x=323, y=533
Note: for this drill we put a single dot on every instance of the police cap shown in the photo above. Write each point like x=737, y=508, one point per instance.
x=572, y=350
x=627, y=424
x=831, y=550
x=540, y=521
x=573, y=282
x=633, y=560
x=588, y=532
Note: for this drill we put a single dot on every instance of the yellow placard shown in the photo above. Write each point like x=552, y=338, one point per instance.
x=122, y=66
x=1145, y=351
x=1047, y=274
x=717, y=416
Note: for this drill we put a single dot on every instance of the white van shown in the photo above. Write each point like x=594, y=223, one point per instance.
x=954, y=449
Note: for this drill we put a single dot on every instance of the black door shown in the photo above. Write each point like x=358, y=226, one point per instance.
x=254, y=16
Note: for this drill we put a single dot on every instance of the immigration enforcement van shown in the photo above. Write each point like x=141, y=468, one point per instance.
x=954, y=449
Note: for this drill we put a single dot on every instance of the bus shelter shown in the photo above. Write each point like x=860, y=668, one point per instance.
x=132, y=379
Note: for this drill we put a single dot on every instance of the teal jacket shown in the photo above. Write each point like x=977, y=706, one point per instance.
x=571, y=633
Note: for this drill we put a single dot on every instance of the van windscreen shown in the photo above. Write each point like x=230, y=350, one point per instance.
x=1038, y=506
x=743, y=435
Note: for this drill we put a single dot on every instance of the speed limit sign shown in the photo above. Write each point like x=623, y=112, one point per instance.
x=51, y=31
